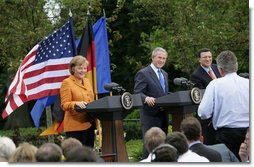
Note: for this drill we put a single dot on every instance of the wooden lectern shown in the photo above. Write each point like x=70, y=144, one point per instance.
x=110, y=112
x=179, y=104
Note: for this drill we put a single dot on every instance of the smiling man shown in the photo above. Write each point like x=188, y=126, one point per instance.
x=152, y=82
x=201, y=77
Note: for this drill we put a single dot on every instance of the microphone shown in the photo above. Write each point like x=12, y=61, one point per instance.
x=180, y=81
x=183, y=82
x=114, y=87
x=244, y=75
x=110, y=86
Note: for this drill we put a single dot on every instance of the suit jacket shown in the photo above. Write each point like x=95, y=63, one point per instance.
x=226, y=154
x=72, y=91
x=148, y=84
x=201, y=78
x=203, y=150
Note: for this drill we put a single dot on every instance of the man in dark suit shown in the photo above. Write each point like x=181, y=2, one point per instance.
x=191, y=128
x=201, y=77
x=151, y=82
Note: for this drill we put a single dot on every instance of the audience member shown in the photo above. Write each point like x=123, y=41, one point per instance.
x=24, y=153
x=82, y=154
x=49, y=152
x=179, y=141
x=69, y=143
x=226, y=154
x=191, y=128
x=7, y=147
x=151, y=82
x=201, y=77
x=226, y=101
x=244, y=151
x=153, y=138
x=164, y=153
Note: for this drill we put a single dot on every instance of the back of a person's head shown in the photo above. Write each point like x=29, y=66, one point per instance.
x=24, y=153
x=164, y=153
x=7, y=147
x=228, y=61
x=69, y=143
x=49, y=152
x=81, y=154
x=153, y=138
x=179, y=141
x=191, y=128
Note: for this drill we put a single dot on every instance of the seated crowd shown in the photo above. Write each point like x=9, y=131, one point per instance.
x=183, y=146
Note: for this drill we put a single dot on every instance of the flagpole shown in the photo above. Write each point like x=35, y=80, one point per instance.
x=49, y=122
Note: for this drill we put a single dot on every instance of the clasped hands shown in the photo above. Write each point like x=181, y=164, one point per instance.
x=81, y=104
x=150, y=101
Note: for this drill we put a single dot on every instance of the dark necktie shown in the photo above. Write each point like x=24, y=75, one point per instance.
x=161, y=78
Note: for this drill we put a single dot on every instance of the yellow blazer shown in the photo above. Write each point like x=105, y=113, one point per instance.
x=71, y=92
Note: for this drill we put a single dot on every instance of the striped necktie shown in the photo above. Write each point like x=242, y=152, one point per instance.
x=211, y=74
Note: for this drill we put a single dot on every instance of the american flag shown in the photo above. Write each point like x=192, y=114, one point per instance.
x=43, y=69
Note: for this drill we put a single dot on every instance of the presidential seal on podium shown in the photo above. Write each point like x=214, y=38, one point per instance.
x=127, y=100
x=196, y=95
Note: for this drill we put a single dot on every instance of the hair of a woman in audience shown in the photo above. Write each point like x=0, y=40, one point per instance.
x=7, y=147
x=164, y=153
x=24, y=153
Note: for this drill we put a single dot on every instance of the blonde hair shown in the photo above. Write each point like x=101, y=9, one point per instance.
x=24, y=153
x=76, y=61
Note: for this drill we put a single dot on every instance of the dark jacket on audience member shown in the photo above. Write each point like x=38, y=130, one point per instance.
x=203, y=150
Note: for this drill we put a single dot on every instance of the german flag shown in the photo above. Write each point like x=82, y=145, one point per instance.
x=86, y=48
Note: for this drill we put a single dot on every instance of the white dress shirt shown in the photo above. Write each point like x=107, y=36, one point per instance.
x=190, y=156
x=226, y=100
x=148, y=159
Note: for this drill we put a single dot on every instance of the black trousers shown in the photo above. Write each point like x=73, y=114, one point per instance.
x=208, y=132
x=232, y=138
x=86, y=137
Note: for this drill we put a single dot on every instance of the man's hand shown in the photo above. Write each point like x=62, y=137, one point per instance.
x=150, y=101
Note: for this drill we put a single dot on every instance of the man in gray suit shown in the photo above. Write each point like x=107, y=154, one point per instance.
x=226, y=154
x=151, y=82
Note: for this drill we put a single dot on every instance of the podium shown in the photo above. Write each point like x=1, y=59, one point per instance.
x=179, y=104
x=110, y=112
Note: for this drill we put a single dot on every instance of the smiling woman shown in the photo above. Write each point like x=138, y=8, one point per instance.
x=77, y=91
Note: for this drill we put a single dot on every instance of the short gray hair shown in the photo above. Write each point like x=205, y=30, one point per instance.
x=227, y=61
x=7, y=147
x=159, y=49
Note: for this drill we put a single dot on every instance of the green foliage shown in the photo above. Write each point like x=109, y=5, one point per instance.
x=133, y=115
x=132, y=129
x=134, y=150
x=214, y=24
x=30, y=135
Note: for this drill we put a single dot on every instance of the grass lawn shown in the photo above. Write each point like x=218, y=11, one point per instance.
x=134, y=150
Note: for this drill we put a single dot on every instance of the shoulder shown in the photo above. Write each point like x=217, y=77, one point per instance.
x=214, y=65
x=197, y=70
x=145, y=70
x=67, y=80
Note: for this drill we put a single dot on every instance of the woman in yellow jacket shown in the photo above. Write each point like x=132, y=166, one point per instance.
x=76, y=90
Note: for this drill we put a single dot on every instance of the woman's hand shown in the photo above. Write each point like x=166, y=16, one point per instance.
x=81, y=104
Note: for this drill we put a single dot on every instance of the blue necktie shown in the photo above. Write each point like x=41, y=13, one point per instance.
x=161, y=78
